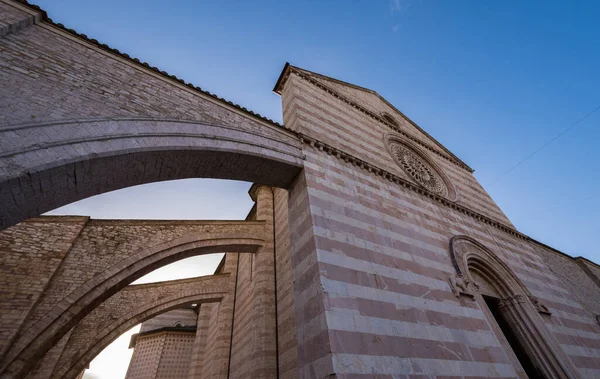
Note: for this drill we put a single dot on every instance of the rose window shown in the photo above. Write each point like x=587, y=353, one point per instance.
x=418, y=169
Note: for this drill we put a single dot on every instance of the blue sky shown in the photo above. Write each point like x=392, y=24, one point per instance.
x=493, y=81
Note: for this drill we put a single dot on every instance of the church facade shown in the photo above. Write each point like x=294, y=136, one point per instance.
x=372, y=250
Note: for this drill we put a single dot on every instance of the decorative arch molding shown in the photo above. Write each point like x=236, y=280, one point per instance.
x=419, y=167
x=42, y=336
x=517, y=305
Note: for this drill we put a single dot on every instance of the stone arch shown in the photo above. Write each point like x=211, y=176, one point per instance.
x=518, y=306
x=34, y=342
x=150, y=300
x=45, y=165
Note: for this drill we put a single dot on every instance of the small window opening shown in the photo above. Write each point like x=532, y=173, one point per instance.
x=494, y=307
x=389, y=119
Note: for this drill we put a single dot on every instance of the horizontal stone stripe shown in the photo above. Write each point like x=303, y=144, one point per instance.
x=310, y=275
x=384, y=310
x=349, y=322
x=379, y=254
x=315, y=347
x=396, y=274
x=375, y=184
x=581, y=351
x=375, y=344
x=313, y=290
x=527, y=279
x=566, y=339
x=302, y=249
x=327, y=168
x=310, y=259
x=556, y=300
x=341, y=289
x=405, y=205
x=564, y=308
x=428, y=249
x=367, y=364
x=336, y=216
x=400, y=196
x=368, y=146
x=585, y=362
x=395, y=285
x=573, y=332
x=580, y=322
x=321, y=367
x=349, y=172
x=383, y=225
x=575, y=324
x=412, y=376
x=589, y=373
x=309, y=328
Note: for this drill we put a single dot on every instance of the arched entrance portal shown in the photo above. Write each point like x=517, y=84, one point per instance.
x=509, y=306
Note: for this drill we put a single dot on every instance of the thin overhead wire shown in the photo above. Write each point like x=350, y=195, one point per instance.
x=546, y=144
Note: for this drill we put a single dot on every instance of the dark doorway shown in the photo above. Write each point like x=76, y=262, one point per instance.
x=530, y=369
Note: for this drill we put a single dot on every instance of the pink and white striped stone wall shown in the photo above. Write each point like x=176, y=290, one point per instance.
x=371, y=261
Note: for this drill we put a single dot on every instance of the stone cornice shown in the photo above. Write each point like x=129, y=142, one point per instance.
x=33, y=18
x=291, y=69
x=330, y=150
x=407, y=184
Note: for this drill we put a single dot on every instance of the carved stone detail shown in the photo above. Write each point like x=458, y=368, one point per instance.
x=511, y=301
x=519, y=308
x=541, y=308
x=461, y=286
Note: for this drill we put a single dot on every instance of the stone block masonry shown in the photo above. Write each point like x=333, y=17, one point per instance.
x=377, y=255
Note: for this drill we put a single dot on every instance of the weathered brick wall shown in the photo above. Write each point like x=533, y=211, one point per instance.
x=146, y=357
x=574, y=278
x=210, y=353
x=371, y=264
x=45, y=367
x=11, y=15
x=105, y=256
x=241, y=358
x=591, y=268
x=175, y=362
x=30, y=253
x=183, y=316
x=199, y=348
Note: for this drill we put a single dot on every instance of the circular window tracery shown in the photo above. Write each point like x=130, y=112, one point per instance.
x=418, y=168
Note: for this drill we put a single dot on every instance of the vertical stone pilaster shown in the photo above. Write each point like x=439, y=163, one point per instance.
x=195, y=370
x=263, y=285
x=211, y=356
x=224, y=322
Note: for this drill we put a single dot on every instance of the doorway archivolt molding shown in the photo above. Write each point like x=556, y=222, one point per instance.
x=521, y=310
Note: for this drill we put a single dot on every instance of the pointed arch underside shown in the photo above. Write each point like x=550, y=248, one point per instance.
x=49, y=164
